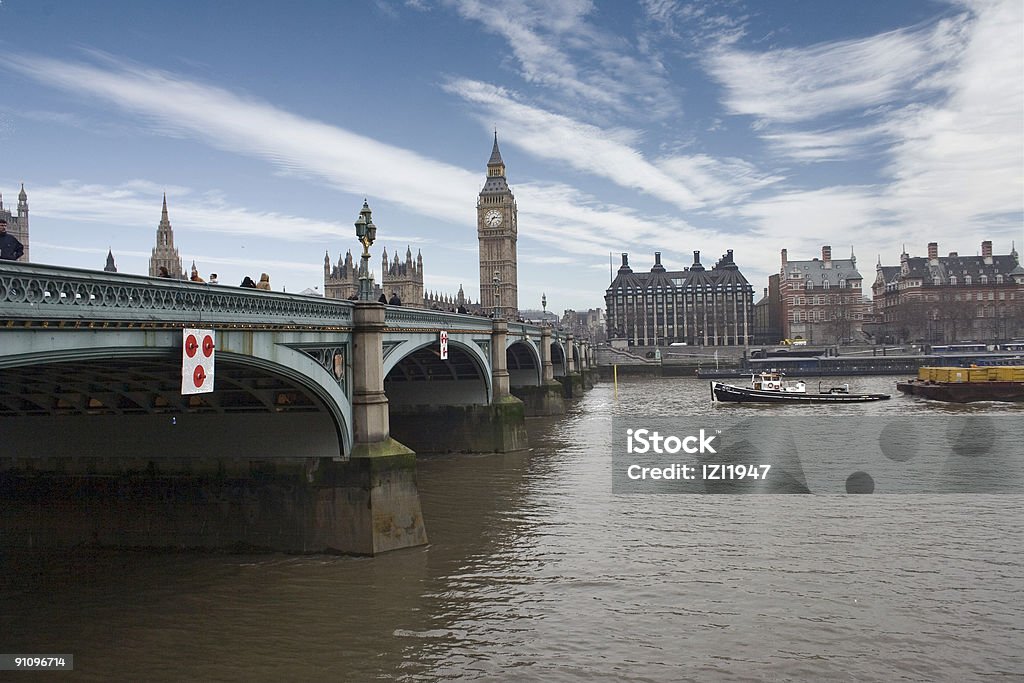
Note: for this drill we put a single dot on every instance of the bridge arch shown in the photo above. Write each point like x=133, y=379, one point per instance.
x=124, y=400
x=414, y=373
x=524, y=363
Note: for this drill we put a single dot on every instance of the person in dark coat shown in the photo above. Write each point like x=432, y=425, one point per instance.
x=10, y=248
x=394, y=300
x=247, y=282
x=383, y=299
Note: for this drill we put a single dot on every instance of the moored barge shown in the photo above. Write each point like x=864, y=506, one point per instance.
x=966, y=385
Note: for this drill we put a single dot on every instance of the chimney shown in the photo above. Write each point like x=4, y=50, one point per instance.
x=765, y=292
x=785, y=260
x=986, y=252
x=826, y=253
x=657, y=258
x=625, y=260
x=696, y=257
x=933, y=251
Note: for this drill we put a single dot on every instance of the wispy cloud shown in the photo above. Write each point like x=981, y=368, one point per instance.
x=351, y=162
x=687, y=182
x=557, y=48
x=803, y=84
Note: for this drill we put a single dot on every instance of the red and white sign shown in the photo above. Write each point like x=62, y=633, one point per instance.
x=196, y=361
x=444, y=344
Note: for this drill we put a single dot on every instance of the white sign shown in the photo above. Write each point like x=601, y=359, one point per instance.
x=444, y=344
x=196, y=361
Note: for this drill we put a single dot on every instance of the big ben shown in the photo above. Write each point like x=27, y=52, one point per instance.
x=496, y=230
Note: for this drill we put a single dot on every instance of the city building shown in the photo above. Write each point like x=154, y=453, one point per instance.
x=17, y=224
x=497, y=231
x=694, y=306
x=110, y=267
x=404, y=279
x=945, y=299
x=165, y=253
x=822, y=300
x=589, y=324
x=767, y=314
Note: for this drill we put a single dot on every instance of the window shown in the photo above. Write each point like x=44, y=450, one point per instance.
x=826, y=284
x=983, y=279
x=952, y=279
x=842, y=284
x=967, y=279
x=808, y=284
x=999, y=279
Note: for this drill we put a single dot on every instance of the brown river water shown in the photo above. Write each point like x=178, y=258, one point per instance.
x=536, y=571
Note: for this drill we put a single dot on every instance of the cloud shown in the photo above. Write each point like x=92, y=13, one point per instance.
x=687, y=182
x=558, y=49
x=802, y=84
x=351, y=162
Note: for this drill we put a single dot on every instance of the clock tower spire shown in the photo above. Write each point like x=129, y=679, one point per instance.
x=497, y=230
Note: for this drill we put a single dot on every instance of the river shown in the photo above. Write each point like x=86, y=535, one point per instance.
x=536, y=571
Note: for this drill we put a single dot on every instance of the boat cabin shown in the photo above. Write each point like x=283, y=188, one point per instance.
x=772, y=381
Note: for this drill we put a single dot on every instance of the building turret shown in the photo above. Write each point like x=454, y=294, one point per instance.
x=165, y=253
x=110, y=267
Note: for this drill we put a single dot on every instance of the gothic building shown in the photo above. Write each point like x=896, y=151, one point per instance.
x=695, y=306
x=404, y=279
x=165, y=253
x=17, y=224
x=821, y=300
x=497, y=230
x=111, y=267
x=944, y=299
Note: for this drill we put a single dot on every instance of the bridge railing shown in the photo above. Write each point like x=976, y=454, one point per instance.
x=30, y=291
x=426, y=319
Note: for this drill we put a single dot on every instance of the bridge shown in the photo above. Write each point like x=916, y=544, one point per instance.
x=336, y=395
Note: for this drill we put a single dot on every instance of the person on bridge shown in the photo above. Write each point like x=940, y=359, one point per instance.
x=247, y=282
x=213, y=279
x=394, y=300
x=195, y=275
x=10, y=248
x=162, y=272
x=264, y=282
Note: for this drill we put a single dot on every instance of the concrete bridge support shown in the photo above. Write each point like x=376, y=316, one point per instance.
x=546, y=398
x=371, y=504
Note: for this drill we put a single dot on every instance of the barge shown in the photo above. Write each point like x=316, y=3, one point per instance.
x=966, y=385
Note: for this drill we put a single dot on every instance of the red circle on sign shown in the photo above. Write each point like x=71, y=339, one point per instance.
x=191, y=346
x=207, y=346
x=198, y=376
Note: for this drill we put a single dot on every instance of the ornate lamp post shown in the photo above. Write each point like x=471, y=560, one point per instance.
x=366, y=232
x=497, y=294
x=544, y=305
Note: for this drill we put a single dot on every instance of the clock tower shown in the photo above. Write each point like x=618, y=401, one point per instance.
x=497, y=232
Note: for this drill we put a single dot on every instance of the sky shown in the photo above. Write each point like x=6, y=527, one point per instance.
x=636, y=127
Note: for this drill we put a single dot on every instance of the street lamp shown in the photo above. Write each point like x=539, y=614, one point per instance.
x=497, y=294
x=366, y=232
x=544, y=305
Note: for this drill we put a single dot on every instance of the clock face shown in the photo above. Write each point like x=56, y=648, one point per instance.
x=493, y=218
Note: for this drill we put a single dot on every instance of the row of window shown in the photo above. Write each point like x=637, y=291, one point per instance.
x=688, y=289
x=822, y=300
x=815, y=315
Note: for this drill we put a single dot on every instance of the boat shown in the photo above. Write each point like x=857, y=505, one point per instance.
x=966, y=385
x=770, y=387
